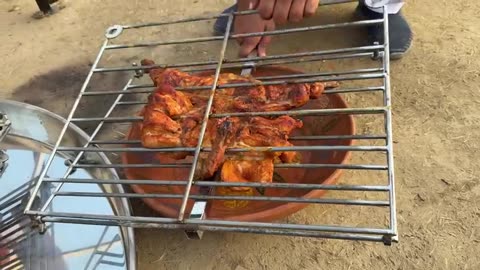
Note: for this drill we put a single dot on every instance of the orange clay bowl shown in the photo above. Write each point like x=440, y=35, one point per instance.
x=254, y=210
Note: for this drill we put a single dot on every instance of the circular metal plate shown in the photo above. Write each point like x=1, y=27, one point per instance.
x=62, y=246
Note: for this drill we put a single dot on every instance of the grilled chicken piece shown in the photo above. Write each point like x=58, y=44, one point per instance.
x=174, y=119
x=239, y=171
x=248, y=98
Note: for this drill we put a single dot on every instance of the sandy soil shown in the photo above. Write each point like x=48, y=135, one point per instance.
x=436, y=124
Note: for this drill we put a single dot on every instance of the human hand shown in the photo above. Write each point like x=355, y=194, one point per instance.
x=245, y=24
x=283, y=11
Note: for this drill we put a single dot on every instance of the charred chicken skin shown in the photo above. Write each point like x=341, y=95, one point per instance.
x=174, y=118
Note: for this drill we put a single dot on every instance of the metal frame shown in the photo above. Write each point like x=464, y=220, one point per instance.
x=380, y=51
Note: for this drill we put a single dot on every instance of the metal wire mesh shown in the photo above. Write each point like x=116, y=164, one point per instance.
x=362, y=81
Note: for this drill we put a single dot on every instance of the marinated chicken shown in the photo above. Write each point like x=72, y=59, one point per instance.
x=173, y=118
x=276, y=97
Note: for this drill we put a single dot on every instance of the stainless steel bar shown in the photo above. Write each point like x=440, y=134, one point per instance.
x=160, y=43
x=237, y=63
x=208, y=109
x=372, y=110
x=13, y=232
x=332, y=166
x=309, y=28
x=4, y=262
x=127, y=149
x=255, y=34
x=13, y=265
x=13, y=201
x=109, y=119
x=327, y=91
x=277, y=166
x=354, y=90
x=321, y=74
x=292, y=61
x=161, y=222
x=79, y=155
x=195, y=19
x=376, y=71
x=296, y=81
x=64, y=129
x=232, y=150
x=211, y=17
x=293, y=138
x=226, y=198
x=225, y=184
x=107, y=166
x=241, y=61
x=388, y=126
x=7, y=225
x=131, y=103
x=338, y=236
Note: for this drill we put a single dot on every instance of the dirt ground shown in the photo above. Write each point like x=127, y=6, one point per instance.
x=436, y=105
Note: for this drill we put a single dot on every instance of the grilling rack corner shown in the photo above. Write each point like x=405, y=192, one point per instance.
x=195, y=224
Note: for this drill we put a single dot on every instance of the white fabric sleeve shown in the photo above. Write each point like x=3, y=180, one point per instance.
x=393, y=6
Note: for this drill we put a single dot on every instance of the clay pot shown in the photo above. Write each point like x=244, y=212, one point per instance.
x=255, y=210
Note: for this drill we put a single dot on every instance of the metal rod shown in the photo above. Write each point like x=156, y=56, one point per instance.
x=277, y=166
x=388, y=125
x=372, y=148
x=327, y=91
x=241, y=61
x=257, y=64
x=254, y=34
x=226, y=198
x=64, y=129
x=293, y=138
x=371, y=110
x=171, y=223
x=211, y=17
x=208, y=109
x=106, y=166
x=224, y=184
x=79, y=155
x=339, y=236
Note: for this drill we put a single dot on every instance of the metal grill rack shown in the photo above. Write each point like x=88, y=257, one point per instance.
x=386, y=233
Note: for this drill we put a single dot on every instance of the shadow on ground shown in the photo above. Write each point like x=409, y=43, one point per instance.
x=58, y=89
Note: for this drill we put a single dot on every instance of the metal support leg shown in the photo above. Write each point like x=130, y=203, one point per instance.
x=44, y=6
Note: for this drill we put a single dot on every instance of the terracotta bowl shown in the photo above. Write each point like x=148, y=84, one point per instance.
x=255, y=210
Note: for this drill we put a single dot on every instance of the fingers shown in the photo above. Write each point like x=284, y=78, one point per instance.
x=296, y=11
x=265, y=8
x=287, y=10
x=248, y=44
x=265, y=41
x=281, y=10
x=311, y=7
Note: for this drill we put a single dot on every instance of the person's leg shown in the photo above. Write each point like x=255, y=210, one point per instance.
x=400, y=33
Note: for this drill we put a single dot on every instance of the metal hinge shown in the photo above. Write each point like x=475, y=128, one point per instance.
x=5, y=125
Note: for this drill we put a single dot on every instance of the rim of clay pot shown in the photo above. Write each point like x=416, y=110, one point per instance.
x=270, y=214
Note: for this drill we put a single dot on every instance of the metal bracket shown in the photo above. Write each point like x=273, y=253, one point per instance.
x=138, y=72
x=387, y=240
x=377, y=54
x=5, y=126
x=198, y=212
x=114, y=31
